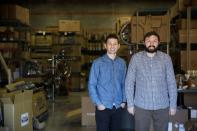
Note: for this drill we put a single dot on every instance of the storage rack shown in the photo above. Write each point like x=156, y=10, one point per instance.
x=185, y=41
x=161, y=19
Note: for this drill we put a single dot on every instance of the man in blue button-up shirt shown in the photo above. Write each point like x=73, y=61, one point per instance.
x=106, y=86
x=150, y=86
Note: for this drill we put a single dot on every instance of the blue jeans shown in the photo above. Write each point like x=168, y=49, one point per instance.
x=108, y=119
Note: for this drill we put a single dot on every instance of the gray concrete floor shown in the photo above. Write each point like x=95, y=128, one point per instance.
x=60, y=118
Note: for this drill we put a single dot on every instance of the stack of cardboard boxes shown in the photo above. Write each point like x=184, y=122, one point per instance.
x=14, y=12
x=17, y=110
x=142, y=24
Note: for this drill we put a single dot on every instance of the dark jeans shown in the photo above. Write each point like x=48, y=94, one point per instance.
x=108, y=119
x=143, y=119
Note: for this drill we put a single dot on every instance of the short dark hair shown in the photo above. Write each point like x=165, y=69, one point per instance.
x=111, y=36
x=148, y=34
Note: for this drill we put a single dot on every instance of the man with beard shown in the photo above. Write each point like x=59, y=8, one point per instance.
x=150, y=86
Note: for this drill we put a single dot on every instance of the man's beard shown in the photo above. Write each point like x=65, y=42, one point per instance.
x=151, y=50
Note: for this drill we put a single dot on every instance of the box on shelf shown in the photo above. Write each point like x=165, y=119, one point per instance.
x=182, y=24
x=44, y=40
x=181, y=5
x=88, y=112
x=69, y=25
x=149, y=23
x=26, y=18
x=41, y=55
x=183, y=36
x=193, y=60
x=14, y=12
x=52, y=29
x=173, y=11
x=17, y=108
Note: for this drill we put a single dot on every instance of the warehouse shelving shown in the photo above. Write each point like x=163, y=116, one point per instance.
x=14, y=40
x=145, y=20
x=186, y=43
x=92, y=49
x=62, y=48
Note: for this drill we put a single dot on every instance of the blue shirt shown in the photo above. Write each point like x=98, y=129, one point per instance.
x=150, y=82
x=106, y=81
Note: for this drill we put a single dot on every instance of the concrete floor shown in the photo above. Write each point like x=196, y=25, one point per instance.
x=65, y=114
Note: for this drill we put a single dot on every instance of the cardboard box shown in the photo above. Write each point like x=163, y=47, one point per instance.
x=3, y=91
x=69, y=25
x=173, y=11
x=15, y=12
x=183, y=36
x=181, y=5
x=193, y=60
x=88, y=112
x=44, y=40
x=13, y=86
x=182, y=24
x=39, y=103
x=51, y=29
x=41, y=55
x=26, y=18
x=17, y=110
x=144, y=24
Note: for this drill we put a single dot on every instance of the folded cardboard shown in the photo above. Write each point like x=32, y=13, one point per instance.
x=17, y=110
x=13, y=86
x=39, y=103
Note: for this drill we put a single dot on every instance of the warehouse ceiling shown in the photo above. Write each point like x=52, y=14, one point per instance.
x=28, y=2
